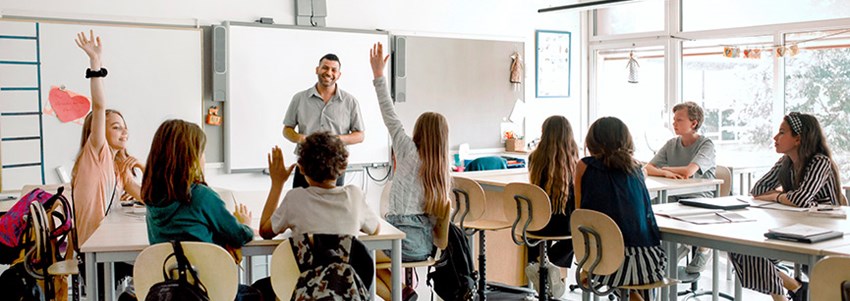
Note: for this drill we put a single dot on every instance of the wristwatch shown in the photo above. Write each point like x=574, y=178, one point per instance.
x=100, y=73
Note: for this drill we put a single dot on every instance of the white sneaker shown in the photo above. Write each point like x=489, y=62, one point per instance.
x=557, y=287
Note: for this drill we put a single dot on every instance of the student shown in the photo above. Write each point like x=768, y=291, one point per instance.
x=610, y=181
x=551, y=167
x=689, y=155
x=322, y=208
x=323, y=107
x=180, y=205
x=102, y=168
x=421, y=183
x=805, y=176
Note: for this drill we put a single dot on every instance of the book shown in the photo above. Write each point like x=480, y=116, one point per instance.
x=799, y=231
x=726, y=202
x=702, y=216
x=810, y=239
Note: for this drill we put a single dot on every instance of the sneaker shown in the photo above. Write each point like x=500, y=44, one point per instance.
x=697, y=264
x=531, y=271
x=682, y=251
x=557, y=287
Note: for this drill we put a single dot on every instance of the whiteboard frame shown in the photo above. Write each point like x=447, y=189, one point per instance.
x=228, y=105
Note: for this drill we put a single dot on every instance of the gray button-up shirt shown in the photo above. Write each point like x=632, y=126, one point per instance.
x=308, y=111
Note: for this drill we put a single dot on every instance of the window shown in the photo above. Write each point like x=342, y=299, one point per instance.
x=639, y=105
x=641, y=16
x=817, y=81
x=704, y=14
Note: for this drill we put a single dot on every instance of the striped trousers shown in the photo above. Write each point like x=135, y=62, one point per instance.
x=758, y=273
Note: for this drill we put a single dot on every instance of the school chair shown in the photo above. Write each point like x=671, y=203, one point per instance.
x=487, y=163
x=529, y=209
x=470, y=205
x=284, y=270
x=441, y=239
x=828, y=278
x=599, y=249
x=214, y=265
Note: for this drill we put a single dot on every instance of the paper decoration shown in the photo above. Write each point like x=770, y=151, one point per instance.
x=212, y=116
x=633, y=67
x=67, y=105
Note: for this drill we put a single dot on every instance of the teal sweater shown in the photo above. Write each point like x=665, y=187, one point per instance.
x=204, y=218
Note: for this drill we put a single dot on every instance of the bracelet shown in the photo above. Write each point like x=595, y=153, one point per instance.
x=99, y=73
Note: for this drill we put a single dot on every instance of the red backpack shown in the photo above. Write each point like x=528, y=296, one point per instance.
x=13, y=224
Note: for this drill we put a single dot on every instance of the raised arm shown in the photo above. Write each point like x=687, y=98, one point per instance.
x=378, y=61
x=279, y=173
x=92, y=47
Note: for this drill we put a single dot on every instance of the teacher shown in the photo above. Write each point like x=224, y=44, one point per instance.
x=324, y=107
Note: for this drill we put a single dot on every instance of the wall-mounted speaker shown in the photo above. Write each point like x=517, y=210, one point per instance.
x=219, y=56
x=399, y=69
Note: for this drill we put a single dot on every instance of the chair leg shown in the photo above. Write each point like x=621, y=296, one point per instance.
x=543, y=290
x=482, y=266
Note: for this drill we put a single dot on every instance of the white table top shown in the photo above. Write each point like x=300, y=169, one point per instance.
x=123, y=232
x=653, y=184
x=752, y=233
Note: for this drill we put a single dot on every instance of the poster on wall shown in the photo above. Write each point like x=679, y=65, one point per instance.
x=552, y=63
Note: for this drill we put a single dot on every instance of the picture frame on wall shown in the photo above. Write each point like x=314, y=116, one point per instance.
x=552, y=63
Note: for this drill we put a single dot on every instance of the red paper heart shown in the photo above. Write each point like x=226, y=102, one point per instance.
x=67, y=105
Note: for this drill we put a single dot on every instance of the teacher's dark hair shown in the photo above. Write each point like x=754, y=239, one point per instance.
x=331, y=57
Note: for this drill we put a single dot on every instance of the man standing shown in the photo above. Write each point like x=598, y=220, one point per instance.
x=323, y=108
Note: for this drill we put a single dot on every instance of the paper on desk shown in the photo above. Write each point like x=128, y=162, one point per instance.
x=776, y=206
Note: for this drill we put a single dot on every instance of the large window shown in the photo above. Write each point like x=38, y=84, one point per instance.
x=704, y=14
x=641, y=16
x=640, y=105
x=736, y=94
x=817, y=81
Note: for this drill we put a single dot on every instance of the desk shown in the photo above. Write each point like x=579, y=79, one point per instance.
x=747, y=238
x=121, y=237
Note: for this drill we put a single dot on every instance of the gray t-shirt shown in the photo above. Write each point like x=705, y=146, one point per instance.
x=701, y=153
x=340, y=116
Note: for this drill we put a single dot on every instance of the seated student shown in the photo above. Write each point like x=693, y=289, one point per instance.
x=322, y=208
x=180, y=205
x=805, y=176
x=689, y=155
x=421, y=181
x=610, y=181
x=552, y=166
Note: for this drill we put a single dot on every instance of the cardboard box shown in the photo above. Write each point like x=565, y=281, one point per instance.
x=514, y=145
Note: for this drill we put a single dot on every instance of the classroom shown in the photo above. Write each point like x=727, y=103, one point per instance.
x=496, y=72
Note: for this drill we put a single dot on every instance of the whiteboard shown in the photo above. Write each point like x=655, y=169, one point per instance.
x=155, y=73
x=268, y=64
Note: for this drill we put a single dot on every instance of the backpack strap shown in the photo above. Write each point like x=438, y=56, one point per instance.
x=183, y=265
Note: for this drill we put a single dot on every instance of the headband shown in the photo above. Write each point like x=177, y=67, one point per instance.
x=794, y=122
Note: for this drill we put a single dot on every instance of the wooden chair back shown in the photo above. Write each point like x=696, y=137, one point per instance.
x=284, y=270
x=468, y=199
x=528, y=206
x=214, y=265
x=828, y=276
x=588, y=247
x=723, y=173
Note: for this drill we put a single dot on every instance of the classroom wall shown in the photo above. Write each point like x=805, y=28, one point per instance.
x=468, y=18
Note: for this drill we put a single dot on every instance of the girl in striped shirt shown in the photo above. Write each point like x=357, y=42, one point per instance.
x=805, y=176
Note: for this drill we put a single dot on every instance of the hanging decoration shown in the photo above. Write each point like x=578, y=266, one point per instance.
x=516, y=70
x=633, y=67
x=776, y=50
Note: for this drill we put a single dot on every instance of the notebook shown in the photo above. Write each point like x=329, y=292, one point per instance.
x=810, y=239
x=775, y=206
x=702, y=216
x=725, y=203
x=799, y=231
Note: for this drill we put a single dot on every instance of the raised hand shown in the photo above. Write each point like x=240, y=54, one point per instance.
x=91, y=45
x=242, y=214
x=278, y=170
x=378, y=60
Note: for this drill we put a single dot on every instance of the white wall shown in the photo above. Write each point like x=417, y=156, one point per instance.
x=479, y=18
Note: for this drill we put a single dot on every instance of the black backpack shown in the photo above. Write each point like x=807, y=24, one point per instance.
x=453, y=277
x=179, y=289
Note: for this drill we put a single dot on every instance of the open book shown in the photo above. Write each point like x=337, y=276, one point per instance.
x=701, y=216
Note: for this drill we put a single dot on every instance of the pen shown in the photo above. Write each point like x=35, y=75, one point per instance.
x=826, y=209
x=7, y=197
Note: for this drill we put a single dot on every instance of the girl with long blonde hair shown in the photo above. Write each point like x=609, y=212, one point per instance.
x=421, y=182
